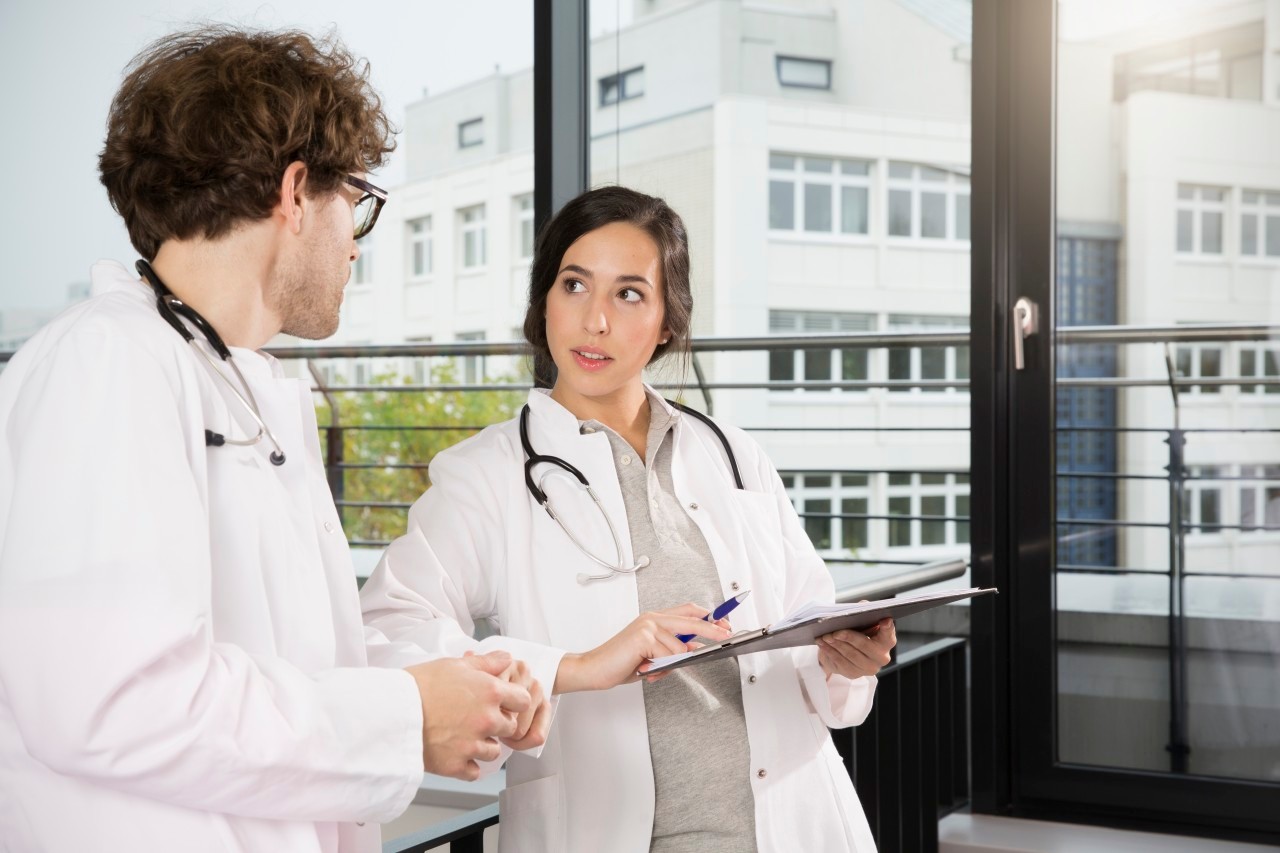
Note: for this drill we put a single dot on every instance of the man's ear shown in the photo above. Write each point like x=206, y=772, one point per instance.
x=293, y=195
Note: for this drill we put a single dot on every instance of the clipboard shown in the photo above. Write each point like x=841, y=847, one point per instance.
x=806, y=625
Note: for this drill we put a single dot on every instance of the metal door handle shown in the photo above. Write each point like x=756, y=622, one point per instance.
x=1026, y=322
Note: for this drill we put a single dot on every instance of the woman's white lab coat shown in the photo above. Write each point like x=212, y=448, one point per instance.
x=182, y=662
x=479, y=546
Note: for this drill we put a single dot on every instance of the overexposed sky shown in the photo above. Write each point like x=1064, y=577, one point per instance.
x=62, y=62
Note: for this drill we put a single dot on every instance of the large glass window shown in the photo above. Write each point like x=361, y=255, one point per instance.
x=818, y=365
x=1201, y=212
x=1259, y=224
x=419, y=246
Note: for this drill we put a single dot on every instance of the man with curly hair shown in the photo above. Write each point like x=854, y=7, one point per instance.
x=182, y=661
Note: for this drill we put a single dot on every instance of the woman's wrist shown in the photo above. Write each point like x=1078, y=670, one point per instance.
x=569, y=674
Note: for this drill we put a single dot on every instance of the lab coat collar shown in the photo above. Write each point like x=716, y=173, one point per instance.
x=561, y=421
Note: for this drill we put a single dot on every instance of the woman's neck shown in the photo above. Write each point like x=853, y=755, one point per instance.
x=626, y=411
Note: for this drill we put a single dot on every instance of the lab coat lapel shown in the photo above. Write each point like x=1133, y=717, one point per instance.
x=600, y=607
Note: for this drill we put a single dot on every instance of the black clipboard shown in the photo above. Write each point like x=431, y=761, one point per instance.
x=806, y=631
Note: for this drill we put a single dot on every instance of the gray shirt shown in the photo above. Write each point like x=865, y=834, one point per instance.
x=697, y=729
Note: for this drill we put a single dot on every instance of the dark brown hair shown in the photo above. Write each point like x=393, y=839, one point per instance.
x=595, y=209
x=207, y=121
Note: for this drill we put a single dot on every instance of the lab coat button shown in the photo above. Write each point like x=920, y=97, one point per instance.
x=751, y=679
x=328, y=527
x=693, y=506
x=734, y=586
x=761, y=773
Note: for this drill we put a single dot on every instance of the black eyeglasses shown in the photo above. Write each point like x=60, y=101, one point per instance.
x=369, y=205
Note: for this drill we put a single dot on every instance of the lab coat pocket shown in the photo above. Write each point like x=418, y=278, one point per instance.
x=530, y=818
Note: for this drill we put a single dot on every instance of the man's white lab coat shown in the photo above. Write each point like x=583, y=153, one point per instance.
x=478, y=545
x=182, y=663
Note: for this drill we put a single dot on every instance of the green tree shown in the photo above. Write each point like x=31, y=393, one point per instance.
x=389, y=437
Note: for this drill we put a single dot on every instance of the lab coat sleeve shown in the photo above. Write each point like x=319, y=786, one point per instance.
x=838, y=701
x=440, y=576
x=107, y=656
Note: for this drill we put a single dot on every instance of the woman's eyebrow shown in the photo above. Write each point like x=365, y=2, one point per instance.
x=574, y=268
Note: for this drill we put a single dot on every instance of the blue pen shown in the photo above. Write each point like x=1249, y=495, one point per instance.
x=719, y=613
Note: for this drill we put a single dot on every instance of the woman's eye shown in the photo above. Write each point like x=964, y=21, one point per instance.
x=574, y=286
x=630, y=295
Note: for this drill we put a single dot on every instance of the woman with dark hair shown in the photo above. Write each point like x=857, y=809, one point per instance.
x=584, y=530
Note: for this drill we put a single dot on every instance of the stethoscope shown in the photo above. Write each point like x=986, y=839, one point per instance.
x=170, y=307
x=618, y=567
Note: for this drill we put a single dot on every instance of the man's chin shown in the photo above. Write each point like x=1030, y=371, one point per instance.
x=313, y=328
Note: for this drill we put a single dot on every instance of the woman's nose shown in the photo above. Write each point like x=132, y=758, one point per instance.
x=596, y=321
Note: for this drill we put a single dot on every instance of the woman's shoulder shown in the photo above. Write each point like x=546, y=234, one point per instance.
x=497, y=443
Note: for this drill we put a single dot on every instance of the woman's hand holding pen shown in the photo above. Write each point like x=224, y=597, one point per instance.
x=855, y=654
x=624, y=657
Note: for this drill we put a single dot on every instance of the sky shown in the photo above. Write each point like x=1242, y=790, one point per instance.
x=63, y=60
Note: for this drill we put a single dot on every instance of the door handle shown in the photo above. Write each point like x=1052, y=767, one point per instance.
x=1026, y=322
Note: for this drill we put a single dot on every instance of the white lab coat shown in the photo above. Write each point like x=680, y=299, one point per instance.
x=182, y=662
x=479, y=546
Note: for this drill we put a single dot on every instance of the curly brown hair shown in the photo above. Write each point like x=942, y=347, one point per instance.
x=207, y=121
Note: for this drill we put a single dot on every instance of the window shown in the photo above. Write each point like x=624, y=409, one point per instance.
x=819, y=195
x=1259, y=497
x=622, y=86
x=804, y=73
x=419, y=232
x=1259, y=224
x=916, y=363
x=524, y=225
x=825, y=500
x=927, y=500
x=1200, y=361
x=818, y=365
x=1202, y=499
x=1200, y=213
x=363, y=272
x=471, y=133
x=473, y=241
x=472, y=365
x=928, y=203
x=419, y=366
x=1262, y=360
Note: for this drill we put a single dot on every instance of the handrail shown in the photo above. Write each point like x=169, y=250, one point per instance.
x=1188, y=333
x=929, y=573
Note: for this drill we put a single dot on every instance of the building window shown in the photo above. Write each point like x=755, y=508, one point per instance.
x=1259, y=497
x=1201, y=211
x=363, y=272
x=622, y=86
x=833, y=507
x=472, y=365
x=804, y=73
x=471, y=133
x=818, y=365
x=1261, y=360
x=819, y=195
x=928, y=203
x=473, y=236
x=419, y=232
x=1200, y=361
x=926, y=501
x=524, y=223
x=419, y=366
x=1202, y=500
x=1259, y=224
x=913, y=364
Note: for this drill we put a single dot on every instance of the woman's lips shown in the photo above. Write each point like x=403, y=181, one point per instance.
x=588, y=363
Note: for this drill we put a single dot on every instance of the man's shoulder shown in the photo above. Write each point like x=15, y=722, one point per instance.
x=118, y=323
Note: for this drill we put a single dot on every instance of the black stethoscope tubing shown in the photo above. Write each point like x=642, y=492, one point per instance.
x=170, y=307
x=533, y=458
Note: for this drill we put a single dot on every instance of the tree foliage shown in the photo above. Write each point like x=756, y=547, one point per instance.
x=396, y=433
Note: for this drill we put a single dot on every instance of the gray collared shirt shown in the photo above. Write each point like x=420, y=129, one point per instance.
x=697, y=729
